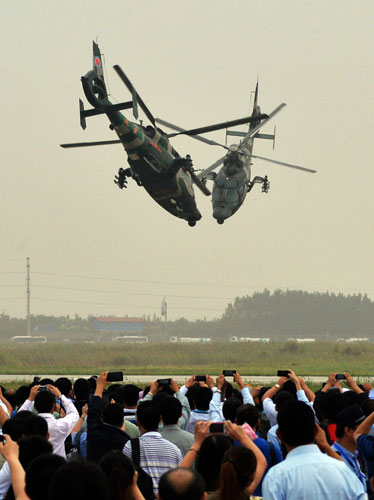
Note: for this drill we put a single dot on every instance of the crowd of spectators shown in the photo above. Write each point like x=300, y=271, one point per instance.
x=208, y=439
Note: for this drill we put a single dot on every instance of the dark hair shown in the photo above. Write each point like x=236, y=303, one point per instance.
x=261, y=392
x=23, y=415
x=148, y=415
x=296, y=423
x=247, y=413
x=44, y=381
x=237, y=472
x=78, y=480
x=35, y=425
x=130, y=394
x=181, y=484
x=289, y=386
x=44, y=402
x=13, y=427
x=119, y=471
x=22, y=393
x=210, y=459
x=331, y=404
x=39, y=474
x=10, y=396
x=202, y=398
x=230, y=407
x=113, y=414
x=92, y=382
x=171, y=409
x=31, y=447
x=367, y=407
x=283, y=397
x=64, y=385
x=82, y=389
x=190, y=395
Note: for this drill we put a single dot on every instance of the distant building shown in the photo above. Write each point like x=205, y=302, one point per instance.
x=118, y=325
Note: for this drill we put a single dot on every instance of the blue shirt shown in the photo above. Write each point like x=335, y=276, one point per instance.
x=308, y=474
x=352, y=461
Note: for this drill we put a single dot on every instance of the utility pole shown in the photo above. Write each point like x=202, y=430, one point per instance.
x=164, y=312
x=28, y=294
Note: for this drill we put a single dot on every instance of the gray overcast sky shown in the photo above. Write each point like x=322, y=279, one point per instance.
x=97, y=250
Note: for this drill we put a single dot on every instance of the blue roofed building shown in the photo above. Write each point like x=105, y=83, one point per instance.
x=125, y=326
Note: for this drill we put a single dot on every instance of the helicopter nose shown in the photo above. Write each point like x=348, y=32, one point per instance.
x=221, y=213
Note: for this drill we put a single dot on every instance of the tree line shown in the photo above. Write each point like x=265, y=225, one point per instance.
x=278, y=316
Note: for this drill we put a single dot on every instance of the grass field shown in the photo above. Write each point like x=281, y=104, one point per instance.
x=319, y=358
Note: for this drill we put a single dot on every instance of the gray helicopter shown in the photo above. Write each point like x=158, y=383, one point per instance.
x=233, y=181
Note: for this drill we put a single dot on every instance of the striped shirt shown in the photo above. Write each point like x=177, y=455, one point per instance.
x=157, y=456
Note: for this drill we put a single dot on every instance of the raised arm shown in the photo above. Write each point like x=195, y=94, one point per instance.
x=6, y=403
x=351, y=383
x=309, y=393
x=238, y=433
x=201, y=431
x=365, y=426
x=9, y=450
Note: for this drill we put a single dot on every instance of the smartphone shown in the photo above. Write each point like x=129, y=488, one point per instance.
x=43, y=388
x=200, y=378
x=283, y=373
x=228, y=373
x=2, y=439
x=340, y=376
x=114, y=377
x=217, y=427
x=164, y=381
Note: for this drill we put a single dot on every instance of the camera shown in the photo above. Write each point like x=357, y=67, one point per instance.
x=200, y=378
x=217, y=427
x=228, y=373
x=114, y=377
x=283, y=373
x=164, y=381
x=2, y=439
x=340, y=376
x=43, y=388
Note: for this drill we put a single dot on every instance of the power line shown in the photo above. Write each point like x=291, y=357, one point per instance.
x=130, y=293
x=176, y=283
x=123, y=305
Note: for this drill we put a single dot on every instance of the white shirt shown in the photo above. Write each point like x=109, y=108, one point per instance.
x=5, y=479
x=58, y=429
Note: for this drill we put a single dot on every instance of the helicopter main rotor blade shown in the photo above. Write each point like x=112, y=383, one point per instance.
x=283, y=164
x=211, y=168
x=197, y=137
x=132, y=90
x=200, y=184
x=87, y=144
x=253, y=131
x=219, y=126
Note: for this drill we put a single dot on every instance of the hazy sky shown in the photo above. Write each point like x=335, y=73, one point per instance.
x=97, y=250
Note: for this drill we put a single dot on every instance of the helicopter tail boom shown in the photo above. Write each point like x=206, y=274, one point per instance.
x=96, y=92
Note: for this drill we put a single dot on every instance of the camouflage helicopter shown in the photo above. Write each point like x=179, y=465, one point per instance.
x=233, y=181
x=154, y=163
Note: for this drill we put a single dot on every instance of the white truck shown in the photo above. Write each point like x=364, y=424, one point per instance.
x=190, y=340
x=249, y=339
